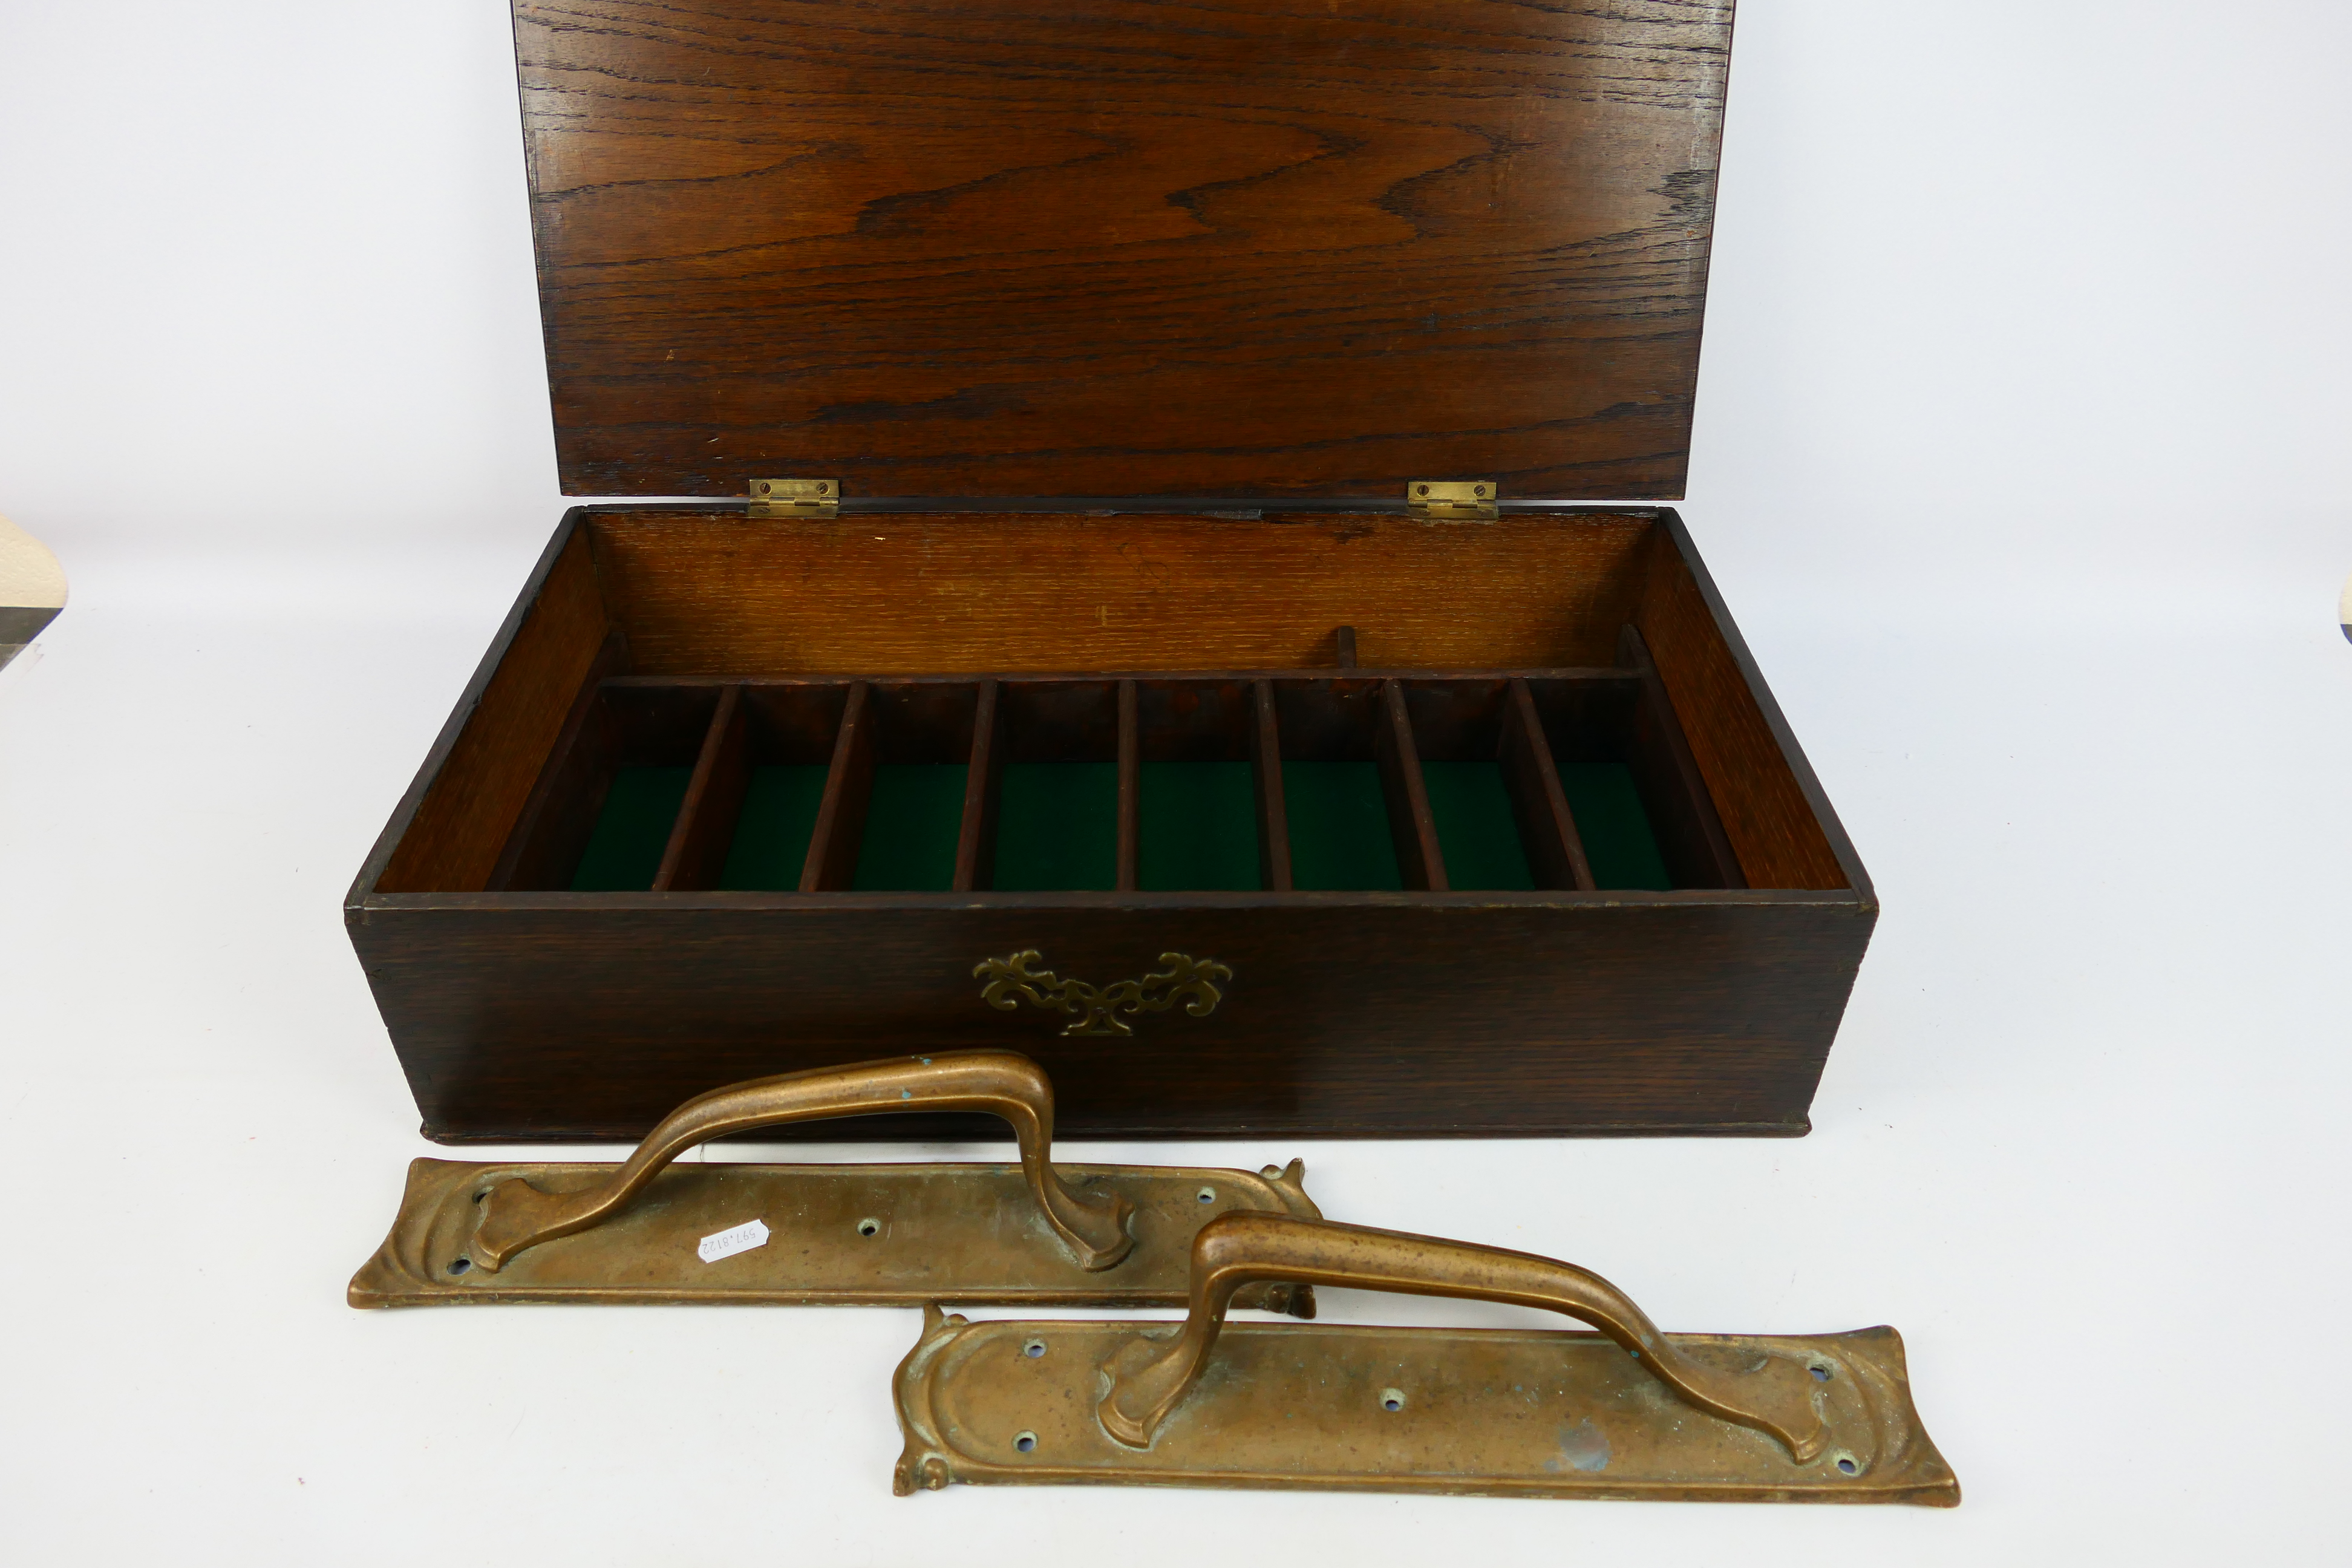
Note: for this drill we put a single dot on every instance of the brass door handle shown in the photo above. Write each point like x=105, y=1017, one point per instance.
x=1148, y=1382
x=516, y=1215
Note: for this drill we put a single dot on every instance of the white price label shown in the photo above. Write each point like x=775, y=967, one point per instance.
x=728, y=1243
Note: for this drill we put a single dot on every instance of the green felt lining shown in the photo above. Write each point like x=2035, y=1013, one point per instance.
x=624, y=847
x=771, y=835
x=1057, y=827
x=1475, y=829
x=1197, y=823
x=1609, y=818
x=1338, y=822
x=917, y=811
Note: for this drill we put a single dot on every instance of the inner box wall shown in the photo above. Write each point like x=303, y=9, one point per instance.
x=720, y=595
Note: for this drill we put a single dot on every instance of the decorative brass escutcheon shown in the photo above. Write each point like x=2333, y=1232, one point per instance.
x=1193, y=981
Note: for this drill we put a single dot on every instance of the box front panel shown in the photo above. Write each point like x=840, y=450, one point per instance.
x=1343, y=1020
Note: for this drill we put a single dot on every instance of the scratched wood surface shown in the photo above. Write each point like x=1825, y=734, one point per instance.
x=1121, y=246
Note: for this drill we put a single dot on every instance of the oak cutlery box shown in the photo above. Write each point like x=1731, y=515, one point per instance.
x=1100, y=599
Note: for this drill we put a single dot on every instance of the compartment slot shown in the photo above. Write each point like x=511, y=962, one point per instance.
x=1198, y=812
x=561, y=809
x=789, y=733
x=1502, y=823
x=894, y=807
x=714, y=795
x=1690, y=835
x=1058, y=812
x=1625, y=845
x=633, y=826
x=1341, y=767
x=910, y=828
x=1471, y=802
x=1632, y=812
x=614, y=794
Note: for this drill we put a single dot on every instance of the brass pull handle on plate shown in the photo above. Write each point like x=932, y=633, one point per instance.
x=1148, y=1382
x=516, y=1215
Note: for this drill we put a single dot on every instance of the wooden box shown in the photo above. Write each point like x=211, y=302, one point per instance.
x=1111, y=688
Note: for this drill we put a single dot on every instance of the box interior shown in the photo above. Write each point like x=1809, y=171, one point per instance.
x=964, y=704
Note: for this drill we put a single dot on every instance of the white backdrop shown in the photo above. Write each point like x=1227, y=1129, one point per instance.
x=2022, y=457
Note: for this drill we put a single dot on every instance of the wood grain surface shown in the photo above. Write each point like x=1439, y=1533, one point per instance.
x=1348, y=1014
x=479, y=785
x=735, y=597
x=1122, y=246
x=1364, y=1014
x=1779, y=840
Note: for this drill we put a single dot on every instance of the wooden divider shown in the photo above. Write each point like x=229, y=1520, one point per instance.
x=1419, y=861
x=1130, y=787
x=975, y=861
x=1265, y=769
x=1547, y=827
x=840, y=830
x=696, y=851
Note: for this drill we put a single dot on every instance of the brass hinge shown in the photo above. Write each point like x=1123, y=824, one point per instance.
x=1451, y=497
x=795, y=498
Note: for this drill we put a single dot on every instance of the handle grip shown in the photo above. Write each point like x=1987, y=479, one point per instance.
x=516, y=1215
x=1235, y=1249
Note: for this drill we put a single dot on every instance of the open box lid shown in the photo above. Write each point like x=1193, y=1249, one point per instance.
x=1122, y=247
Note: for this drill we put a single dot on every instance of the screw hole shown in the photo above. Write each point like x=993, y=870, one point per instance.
x=1423, y=489
x=1024, y=1441
x=1391, y=1399
x=1207, y=1195
x=1847, y=1467
x=459, y=1265
x=869, y=1228
x=1821, y=1373
x=1033, y=1349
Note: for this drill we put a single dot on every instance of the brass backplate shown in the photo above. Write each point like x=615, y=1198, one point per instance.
x=877, y=1234
x=1349, y=1408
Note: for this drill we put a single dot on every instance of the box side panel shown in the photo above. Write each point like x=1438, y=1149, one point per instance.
x=1743, y=749
x=708, y=594
x=1343, y=1022
x=509, y=722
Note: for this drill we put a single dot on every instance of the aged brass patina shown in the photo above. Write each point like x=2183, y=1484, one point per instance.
x=876, y=1235
x=1453, y=499
x=1189, y=980
x=1629, y=1413
x=795, y=498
